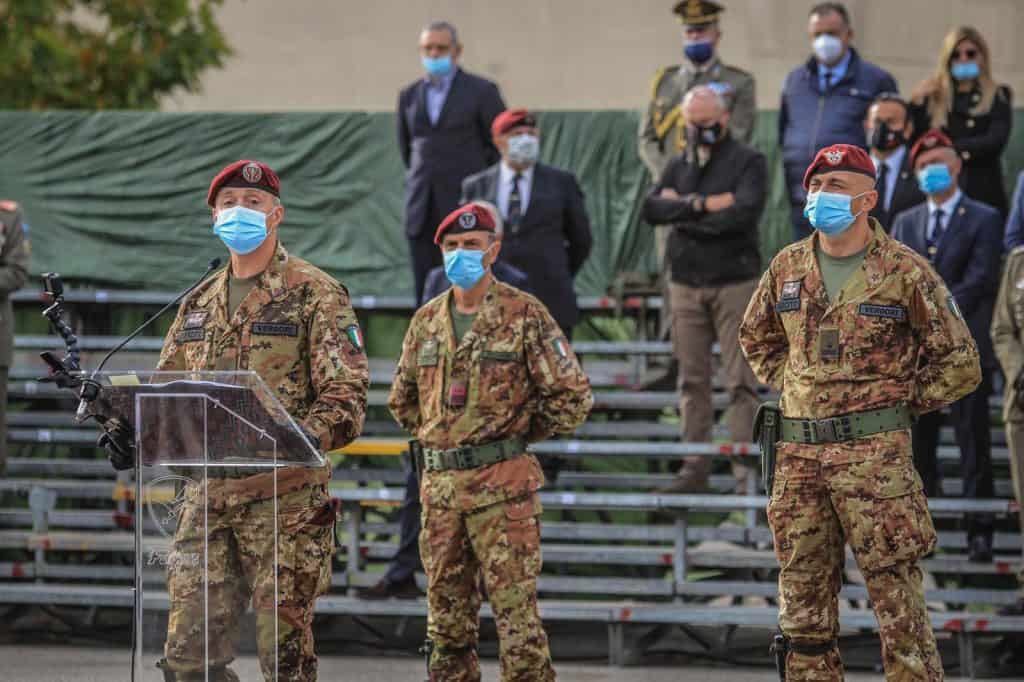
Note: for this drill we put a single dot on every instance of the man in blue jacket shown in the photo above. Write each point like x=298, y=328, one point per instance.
x=963, y=240
x=824, y=101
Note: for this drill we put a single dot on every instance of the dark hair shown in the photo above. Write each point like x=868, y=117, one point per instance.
x=443, y=26
x=826, y=7
x=895, y=98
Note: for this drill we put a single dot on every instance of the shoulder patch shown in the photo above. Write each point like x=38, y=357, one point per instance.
x=558, y=343
x=355, y=336
x=953, y=307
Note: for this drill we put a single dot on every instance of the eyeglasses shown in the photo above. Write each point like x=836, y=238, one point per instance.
x=969, y=53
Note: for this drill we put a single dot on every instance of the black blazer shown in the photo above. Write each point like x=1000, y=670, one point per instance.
x=553, y=239
x=906, y=194
x=967, y=260
x=437, y=158
x=437, y=282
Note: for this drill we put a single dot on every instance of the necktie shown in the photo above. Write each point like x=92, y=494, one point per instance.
x=883, y=184
x=515, y=205
x=937, y=230
x=828, y=81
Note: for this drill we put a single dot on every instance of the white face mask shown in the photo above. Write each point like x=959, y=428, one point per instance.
x=523, y=148
x=827, y=48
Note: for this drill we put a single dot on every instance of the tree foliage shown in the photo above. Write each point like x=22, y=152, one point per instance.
x=104, y=54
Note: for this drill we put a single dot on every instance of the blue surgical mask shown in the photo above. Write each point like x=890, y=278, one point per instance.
x=965, y=71
x=934, y=178
x=523, y=149
x=464, y=267
x=438, y=67
x=830, y=212
x=827, y=48
x=698, y=51
x=241, y=229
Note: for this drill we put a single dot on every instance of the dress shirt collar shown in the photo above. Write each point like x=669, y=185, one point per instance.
x=894, y=161
x=441, y=82
x=506, y=173
x=947, y=206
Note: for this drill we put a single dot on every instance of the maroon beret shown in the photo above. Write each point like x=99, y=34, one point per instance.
x=466, y=219
x=512, y=118
x=245, y=173
x=840, y=157
x=932, y=139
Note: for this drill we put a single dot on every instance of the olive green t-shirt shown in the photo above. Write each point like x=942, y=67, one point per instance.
x=461, y=322
x=836, y=272
x=238, y=289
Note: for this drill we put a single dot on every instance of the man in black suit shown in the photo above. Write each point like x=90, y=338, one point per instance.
x=444, y=122
x=963, y=240
x=547, y=231
x=889, y=129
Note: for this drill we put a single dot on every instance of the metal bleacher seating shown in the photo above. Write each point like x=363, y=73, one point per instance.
x=614, y=552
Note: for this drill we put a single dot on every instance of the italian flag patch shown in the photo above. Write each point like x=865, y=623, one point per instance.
x=355, y=335
x=560, y=347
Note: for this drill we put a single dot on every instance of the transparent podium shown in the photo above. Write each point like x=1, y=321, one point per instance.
x=214, y=450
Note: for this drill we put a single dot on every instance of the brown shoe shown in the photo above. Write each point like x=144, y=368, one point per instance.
x=686, y=482
x=385, y=589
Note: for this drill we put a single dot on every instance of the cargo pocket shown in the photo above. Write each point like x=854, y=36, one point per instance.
x=522, y=524
x=887, y=520
x=305, y=545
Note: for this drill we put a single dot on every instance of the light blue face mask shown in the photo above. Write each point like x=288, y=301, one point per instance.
x=934, y=178
x=830, y=212
x=965, y=71
x=464, y=267
x=438, y=67
x=241, y=229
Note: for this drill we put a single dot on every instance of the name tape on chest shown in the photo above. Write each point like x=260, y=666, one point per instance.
x=187, y=335
x=892, y=312
x=275, y=329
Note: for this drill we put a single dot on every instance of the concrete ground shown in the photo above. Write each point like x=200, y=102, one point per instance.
x=93, y=664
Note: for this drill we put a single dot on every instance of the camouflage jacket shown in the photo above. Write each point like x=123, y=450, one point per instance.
x=15, y=253
x=296, y=329
x=894, y=337
x=662, y=127
x=520, y=377
x=1008, y=330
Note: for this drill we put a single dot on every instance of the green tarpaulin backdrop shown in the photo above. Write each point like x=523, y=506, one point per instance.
x=119, y=198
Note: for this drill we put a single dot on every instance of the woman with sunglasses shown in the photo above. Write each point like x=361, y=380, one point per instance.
x=976, y=112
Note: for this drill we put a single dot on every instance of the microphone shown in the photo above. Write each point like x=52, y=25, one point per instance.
x=90, y=390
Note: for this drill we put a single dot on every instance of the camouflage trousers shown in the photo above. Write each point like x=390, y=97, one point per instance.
x=501, y=542
x=239, y=556
x=878, y=507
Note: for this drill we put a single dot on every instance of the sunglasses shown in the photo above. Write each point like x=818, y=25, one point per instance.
x=969, y=53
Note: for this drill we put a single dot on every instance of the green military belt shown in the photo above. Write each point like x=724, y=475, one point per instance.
x=845, y=427
x=473, y=456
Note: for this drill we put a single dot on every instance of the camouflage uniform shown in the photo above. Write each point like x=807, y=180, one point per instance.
x=901, y=341
x=1008, y=340
x=15, y=253
x=521, y=380
x=297, y=330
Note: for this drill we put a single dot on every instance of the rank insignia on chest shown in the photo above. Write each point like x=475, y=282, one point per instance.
x=355, y=336
x=560, y=347
x=789, y=299
x=457, y=394
x=195, y=320
x=828, y=344
x=428, y=354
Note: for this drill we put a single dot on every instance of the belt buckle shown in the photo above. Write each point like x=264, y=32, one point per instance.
x=833, y=429
x=464, y=458
x=431, y=460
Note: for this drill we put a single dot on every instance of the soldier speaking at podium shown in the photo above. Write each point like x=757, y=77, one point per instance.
x=292, y=324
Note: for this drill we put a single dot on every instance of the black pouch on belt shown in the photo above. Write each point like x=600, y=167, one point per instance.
x=767, y=431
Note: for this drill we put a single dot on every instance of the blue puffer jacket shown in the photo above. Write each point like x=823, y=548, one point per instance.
x=810, y=119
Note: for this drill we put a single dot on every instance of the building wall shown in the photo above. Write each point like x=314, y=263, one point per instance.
x=557, y=54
